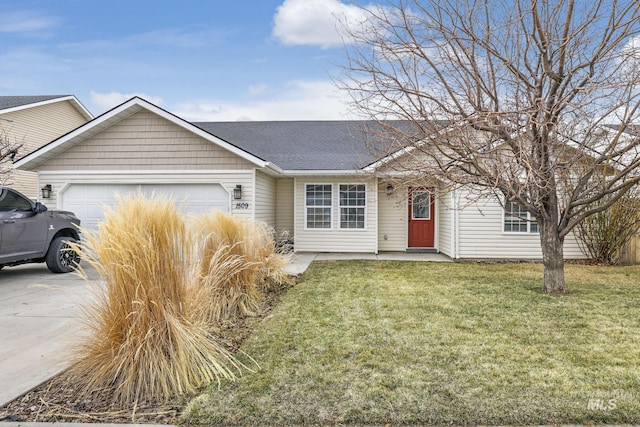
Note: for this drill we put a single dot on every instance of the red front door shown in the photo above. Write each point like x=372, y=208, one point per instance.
x=421, y=217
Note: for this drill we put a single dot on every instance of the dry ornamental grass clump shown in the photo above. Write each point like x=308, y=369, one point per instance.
x=237, y=261
x=148, y=337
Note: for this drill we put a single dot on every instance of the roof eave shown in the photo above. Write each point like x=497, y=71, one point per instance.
x=373, y=167
x=273, y=169
x=322, y=172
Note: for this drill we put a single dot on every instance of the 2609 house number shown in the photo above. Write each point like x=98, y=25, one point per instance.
x=242, y=205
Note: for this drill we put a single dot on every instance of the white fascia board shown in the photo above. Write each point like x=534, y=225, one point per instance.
x=373, y=166
x=148, y=172
x=397, y=174
x=389, y=158
x=80, y=107
x=77, y=104
x=324, y=172
x=269, y=170
x=273, y=170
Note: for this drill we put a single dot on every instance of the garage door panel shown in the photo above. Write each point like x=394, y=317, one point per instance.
x=88, y=200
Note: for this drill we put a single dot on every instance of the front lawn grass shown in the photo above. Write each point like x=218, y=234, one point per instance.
x=372, y=342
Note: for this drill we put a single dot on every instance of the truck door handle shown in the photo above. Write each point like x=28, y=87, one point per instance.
x=9, y=221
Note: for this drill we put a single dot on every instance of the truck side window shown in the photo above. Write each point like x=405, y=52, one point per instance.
x=11, y=202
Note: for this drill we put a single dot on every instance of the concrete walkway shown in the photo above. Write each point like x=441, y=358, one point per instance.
x=40, y=315
x=300, y=261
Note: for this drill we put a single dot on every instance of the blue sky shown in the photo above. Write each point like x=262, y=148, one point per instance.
x=200, y=59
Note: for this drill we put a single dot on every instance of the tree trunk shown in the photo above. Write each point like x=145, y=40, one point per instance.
x=552, y=257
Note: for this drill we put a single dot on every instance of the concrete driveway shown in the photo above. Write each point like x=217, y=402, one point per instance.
x=39, y=320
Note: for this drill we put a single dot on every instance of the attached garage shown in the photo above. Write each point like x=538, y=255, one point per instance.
x=87, y=201
x=138, y=147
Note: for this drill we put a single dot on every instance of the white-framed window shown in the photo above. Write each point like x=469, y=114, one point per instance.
x=353, y=203
x=421, y=204
x=318, y=205
x=518, y=220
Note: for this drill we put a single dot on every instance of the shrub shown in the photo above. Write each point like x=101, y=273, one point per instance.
x=147, y=338
x=603, y=236
x=238, y=259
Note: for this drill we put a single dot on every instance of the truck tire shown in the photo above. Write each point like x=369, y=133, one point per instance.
x=60, y=257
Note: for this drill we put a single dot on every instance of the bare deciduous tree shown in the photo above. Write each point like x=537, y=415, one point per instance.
x=8, y=150
x=509, y=98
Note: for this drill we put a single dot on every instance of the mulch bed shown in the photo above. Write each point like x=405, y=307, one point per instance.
x=58, y=399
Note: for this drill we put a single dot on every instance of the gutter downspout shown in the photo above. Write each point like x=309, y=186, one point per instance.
x=456, y=224
x=377, y=210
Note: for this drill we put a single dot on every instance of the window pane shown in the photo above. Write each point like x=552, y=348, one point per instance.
x=318, y=203
x=318, y=195
x=421, y=205
x=352, y=195
x=11, y=202
x=353, y=198
x=318, y=217
x=515, y=218
x=351, y=217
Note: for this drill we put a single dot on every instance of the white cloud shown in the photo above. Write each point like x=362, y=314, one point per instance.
x=106, y=101
x=25, y=22
x=300, y=100
x=315, y=22
x=257, y=88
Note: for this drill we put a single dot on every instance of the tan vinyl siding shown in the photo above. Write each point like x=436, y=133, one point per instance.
x=146, y=141
x=336, y=239
x=284, y=206
x=392, y=218
x=59, y=181
x=37, y=126
x=23, y=181
x=34, y=127
x=265, y=198
x=482, y=236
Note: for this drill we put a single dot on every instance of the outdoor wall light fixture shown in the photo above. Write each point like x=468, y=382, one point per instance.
x=390, y=189
x=237, y=192
x=46, y=191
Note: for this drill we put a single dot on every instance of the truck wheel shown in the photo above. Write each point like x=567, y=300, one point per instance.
x=60, y=257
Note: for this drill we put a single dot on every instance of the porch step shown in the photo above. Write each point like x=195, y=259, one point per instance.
x=422, y=251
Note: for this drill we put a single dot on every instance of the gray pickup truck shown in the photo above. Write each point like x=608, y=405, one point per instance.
x=29, y=232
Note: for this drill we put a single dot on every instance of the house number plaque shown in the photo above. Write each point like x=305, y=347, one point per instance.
x=242, y=205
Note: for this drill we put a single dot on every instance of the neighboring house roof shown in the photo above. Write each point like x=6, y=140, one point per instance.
x=630, y=129
x=299, y=145
x=14, y=103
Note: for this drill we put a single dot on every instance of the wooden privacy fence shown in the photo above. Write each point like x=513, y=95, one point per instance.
x=631, y=252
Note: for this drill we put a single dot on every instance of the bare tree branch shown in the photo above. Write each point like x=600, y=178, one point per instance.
x=9, y=148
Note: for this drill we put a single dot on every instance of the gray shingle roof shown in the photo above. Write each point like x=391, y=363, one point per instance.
x=18, y=101
x=632, y=128
x=299, y=145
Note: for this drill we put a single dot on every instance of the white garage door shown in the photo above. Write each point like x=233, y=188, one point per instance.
x=88, y=200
